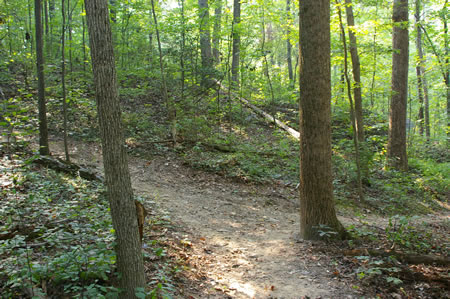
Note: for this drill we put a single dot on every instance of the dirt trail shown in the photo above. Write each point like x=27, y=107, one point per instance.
x=245, y=235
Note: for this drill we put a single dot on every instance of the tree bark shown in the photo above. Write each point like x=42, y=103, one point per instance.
x=288, y=41
x=63, y=79
x=317, y=212
x=216, y=33
x=356, y=139
x=118, y=183
x=396, y=148
x=447, y=63
x=356, y=67
x=422, y=89
x=43, y=129
x=205, y=42
x=236, y=42
x=172, y=112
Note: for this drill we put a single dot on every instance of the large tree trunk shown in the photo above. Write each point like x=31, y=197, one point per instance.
x=216, y=33
x=356, y=70
x=205, y=42
x=317, y=212
x=118, y=183
x=396, y=149
x=288, y=41
x=236, y=42
x=43, y=129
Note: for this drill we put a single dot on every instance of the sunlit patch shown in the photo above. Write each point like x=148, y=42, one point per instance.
x=246, y=288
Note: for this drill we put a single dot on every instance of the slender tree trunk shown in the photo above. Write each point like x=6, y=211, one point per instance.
x=288, y=41
x=236, y=42
x=216, y=33
x=43, y=130
x=63, y=79
x=205, y=42
x=446, y=74
x=69, y=27
x=374, y=66
x=182, y=50
x=352, y=110
x=170, y=105
x=266, y=65
x=424, y=114
x=396, y=149
x=46, y=17
x=150, y=39
x=356, y=70
x=118, y=183
x=83, y=38
x=8, y=30
x=29, y=26
x=51, y=14
x=317, y=212
x=419, y=68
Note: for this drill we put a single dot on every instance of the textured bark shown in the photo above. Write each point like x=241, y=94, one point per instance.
x=205, y=41
x=216, y=32
x=43, y=129
x=396, y=149
x=316, y=189
x=288, y=41
x=356, y=67
x=118, y=184
x=236, y=41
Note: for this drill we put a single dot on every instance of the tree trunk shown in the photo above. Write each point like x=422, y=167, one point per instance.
x=317, y=212
x=182, y=50
x=356, y=139
x=236, y=42
x=83, y=37
x=288, y=42
x=396, y=149
x=374, y=65
x=51, y=15
x=46, y=17
x=43, y=129
x=205, y=42
x=118, y=183
x=424, y=114
x=63, y=79
x=216, y=33
x=356, y=70
x=447, y=63
x=172, y=114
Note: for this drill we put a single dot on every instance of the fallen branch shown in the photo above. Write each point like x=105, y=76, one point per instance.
x=269, y=118
x=68, y=167
x=413, y=259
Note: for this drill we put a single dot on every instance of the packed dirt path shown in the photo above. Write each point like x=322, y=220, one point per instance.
x=242, y=237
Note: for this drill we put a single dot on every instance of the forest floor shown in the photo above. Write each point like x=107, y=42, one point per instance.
x=236, y=240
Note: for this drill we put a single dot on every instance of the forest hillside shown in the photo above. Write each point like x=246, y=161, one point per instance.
x=224, y=149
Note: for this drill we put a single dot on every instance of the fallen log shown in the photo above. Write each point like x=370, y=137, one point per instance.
x=414, y=259
x=269, y=118
x=68, y=167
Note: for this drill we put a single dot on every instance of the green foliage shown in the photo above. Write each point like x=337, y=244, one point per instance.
x=64, y=235
x=403, y=233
